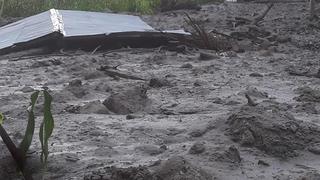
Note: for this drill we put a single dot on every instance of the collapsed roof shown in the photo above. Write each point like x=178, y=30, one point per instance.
x=74, y=29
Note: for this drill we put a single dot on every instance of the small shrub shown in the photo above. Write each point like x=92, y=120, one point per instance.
x=46, y=128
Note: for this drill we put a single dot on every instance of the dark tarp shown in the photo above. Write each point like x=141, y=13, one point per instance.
x=66, y=28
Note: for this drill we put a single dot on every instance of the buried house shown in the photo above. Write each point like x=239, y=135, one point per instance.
x=81, y=29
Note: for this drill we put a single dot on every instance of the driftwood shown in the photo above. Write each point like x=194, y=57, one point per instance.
x=246, y=21
x=261, y=17
x=114, y=73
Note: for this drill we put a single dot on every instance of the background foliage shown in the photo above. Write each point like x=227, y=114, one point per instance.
x=16, y=8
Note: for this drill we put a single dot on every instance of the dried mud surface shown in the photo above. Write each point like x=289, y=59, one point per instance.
x=188, y=117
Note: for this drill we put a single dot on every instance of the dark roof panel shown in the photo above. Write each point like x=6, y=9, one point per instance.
x=72, y=27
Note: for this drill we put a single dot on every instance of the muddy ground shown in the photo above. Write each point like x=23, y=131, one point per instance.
x=188, y=117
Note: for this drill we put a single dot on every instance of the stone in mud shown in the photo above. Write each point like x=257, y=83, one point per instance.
x=158, y=82
x=27, y=89
x=76, y=88
x=187, y=66
x=312, y=175
x=283, y=39
x=75, y=83
x=206, y=56
x=255, y=74
x=151, y=150
x=315, y=149
x=94, y=107
x=247, y=138
x=263, y=163
x=178, y=168
x=131, y=100
x=231, y=155
x=198, y=132
x=274, y=130
x=254, y=92
x=307, y=107
x=197, y=148
x=308, y=94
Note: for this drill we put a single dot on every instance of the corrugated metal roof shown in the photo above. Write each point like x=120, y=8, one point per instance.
x=70, y=24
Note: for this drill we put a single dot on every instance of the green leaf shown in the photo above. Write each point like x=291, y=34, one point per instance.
x=46, y=127
x=27, y=139
x=1, y=118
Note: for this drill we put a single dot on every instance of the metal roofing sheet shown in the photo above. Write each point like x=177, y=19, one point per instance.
x=79, y=23
x=26, y=30
x=69, y=24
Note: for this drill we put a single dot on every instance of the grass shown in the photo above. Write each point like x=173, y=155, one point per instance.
x=18, y=8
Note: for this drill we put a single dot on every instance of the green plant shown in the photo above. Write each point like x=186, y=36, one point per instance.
x=46, y=129
x=16, y=8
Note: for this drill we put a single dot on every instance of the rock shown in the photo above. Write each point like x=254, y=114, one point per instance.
x=254, y=92
x=133, y=116
x=38, y=64
x=158, y=83
x=312, y=175
x=283, y=39
x=94, y=107
x=187, y=66
x=197, y=148
x=198, y=132
x=27, y=89
x=76, y=88
x=72, y=109
x=217, y=100
x=308, y=94
x=308, y=107
x=232, y=103
x=273, y=130
x=255, y=74
x=72, y=157
x=206, y=56
x=231, y=155
x=131, y=100
x=151, y=150
x=247, y=138
x=263, y=163
x=75, y=83
x=315, y=149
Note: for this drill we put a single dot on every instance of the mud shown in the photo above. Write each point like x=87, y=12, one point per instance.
x=181, y=112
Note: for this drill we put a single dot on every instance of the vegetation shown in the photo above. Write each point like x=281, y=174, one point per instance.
x=16, y=8
x=19, y=153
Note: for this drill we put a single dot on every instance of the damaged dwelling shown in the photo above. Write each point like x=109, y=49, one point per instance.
x=159, y=90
